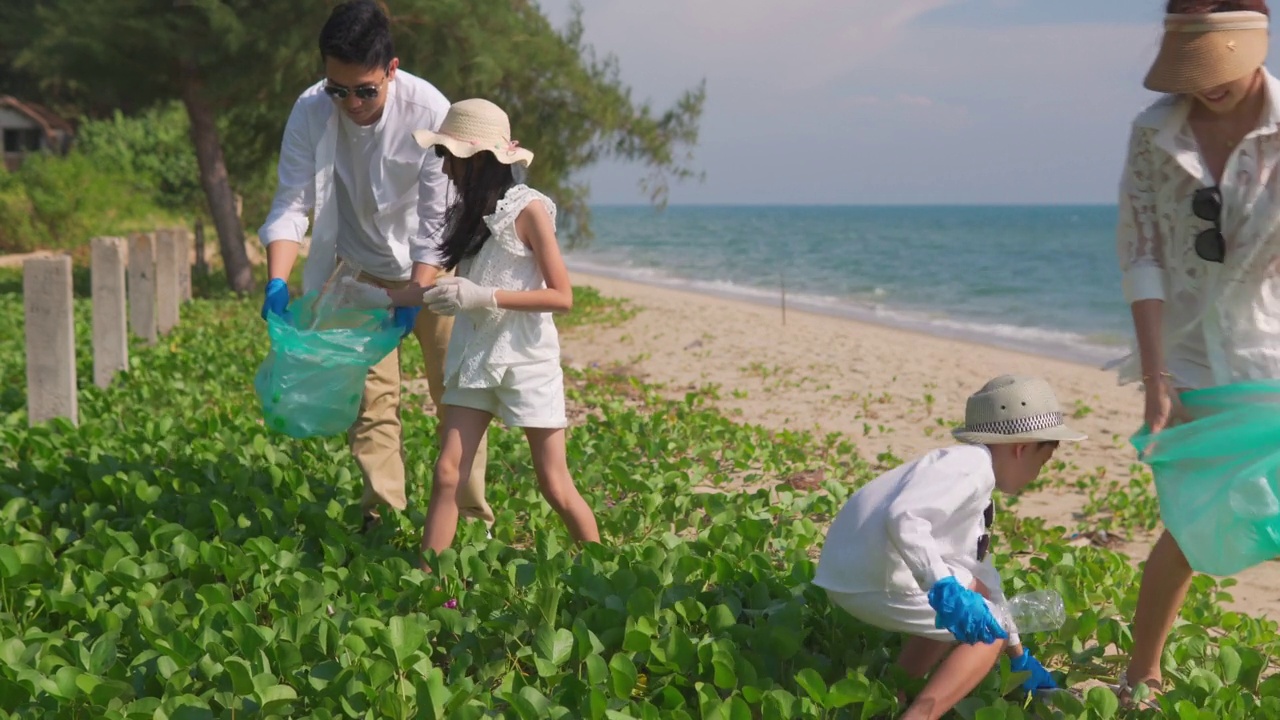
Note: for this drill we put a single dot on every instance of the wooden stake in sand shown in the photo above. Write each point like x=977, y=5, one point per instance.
x=782, y=280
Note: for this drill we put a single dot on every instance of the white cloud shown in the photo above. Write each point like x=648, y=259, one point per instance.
x=742, y=46
x=873, y=106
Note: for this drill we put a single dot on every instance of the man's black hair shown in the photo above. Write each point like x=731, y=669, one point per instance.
x=357, y=33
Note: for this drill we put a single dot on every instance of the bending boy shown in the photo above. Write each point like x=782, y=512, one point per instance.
x=908, y=552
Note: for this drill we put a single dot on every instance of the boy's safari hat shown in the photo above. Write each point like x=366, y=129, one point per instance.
x=472, y=126
x=1205, y=50
x=1014, y=409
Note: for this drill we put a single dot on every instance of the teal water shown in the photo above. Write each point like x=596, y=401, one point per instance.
x=1038, y=279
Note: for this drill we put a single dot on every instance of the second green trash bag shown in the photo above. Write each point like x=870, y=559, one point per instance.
x=313, y=378
x=1218, y=476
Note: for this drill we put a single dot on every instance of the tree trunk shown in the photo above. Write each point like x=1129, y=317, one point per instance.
x=216, y=183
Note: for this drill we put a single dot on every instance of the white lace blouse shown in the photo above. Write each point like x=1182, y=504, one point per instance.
x=484, y=343
x=1221, y=320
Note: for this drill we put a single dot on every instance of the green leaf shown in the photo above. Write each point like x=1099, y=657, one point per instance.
x=10, y=563
x=622, y=675
x=405, y=636
x=433, y=694
x=738, y=709
x=813, y=685
x=723, y=673
x=241, y=676
x=103, y=655
x=596, y=705
x=273, y=698
x=1103, y=702
x=65, y=682
x=848, y=691
x=184, y=707
x=720, y=618
x=1231, y=663
x=554, y=645
x=311, y=597
x=11, y=650
x=1186, y=710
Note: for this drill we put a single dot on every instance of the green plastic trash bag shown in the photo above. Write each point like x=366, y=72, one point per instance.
x=313, y=378
x=1218, y=476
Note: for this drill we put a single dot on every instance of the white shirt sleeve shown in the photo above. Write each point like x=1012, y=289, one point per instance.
x=1138, y=242
x=930, y=496
x=296, y=173
x=433, y=197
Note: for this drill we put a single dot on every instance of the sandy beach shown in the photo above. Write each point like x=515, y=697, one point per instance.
x=894, y=393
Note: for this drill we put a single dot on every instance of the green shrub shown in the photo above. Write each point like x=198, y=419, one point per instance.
x=124, y=174
x=59, y=203
x=153, y=150
x=18, y=231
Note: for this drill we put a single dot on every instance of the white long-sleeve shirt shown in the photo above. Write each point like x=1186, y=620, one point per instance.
x=912, y=526
x=1221, y=320
x=396, y=188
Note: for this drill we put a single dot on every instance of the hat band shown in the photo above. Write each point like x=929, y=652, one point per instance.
x=500, y=143
x=1214, y=22
x=1018, y=426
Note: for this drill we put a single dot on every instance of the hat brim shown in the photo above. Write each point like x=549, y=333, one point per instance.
x=1062, y=433
x=1189, y=63
x=465, y=149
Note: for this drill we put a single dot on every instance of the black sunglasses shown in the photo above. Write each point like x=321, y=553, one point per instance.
x=1206, y=203
x=984, y=542
x=364, y=92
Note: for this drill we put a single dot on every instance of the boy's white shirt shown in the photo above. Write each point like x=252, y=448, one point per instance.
x=913, y=526
x=408, y=182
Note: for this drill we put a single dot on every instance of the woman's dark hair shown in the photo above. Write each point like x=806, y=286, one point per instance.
x=1198, y=7
x=481, y=181
x=357, y=33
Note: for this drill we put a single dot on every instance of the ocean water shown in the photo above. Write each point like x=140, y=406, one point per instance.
x=1037, y=279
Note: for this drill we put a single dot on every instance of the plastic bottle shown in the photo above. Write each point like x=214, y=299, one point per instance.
x=1038, y=611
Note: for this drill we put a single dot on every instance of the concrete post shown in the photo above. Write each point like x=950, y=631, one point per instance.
x=168, y=293
x=184, y=264
x=51, y=339
x=142, y=287
x=110, y=318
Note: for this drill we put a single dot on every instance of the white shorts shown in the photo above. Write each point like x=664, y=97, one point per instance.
x=530, y=395
x=899, y=612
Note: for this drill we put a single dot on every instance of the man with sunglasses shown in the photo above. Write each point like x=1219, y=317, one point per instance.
x=348, y=156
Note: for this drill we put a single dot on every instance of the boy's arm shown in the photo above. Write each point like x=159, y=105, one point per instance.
x=930, y=496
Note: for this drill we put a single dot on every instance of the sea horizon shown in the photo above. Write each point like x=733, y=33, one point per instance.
x=1034, y=278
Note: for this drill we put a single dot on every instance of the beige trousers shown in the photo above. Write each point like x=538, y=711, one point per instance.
x=375, y=437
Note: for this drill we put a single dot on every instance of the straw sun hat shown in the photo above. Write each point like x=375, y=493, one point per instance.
x=1206, y=50
x=472, y=126
x=1014, y=409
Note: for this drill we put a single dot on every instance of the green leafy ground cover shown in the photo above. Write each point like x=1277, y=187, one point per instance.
x=169, y=558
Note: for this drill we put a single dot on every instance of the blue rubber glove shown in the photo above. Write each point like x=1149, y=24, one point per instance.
x=964, y=613
x=277, y=299
x=1040, y=678
x=405, y=317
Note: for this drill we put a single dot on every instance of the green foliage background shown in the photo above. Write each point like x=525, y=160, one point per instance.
x=127, y=62
x=171, y=558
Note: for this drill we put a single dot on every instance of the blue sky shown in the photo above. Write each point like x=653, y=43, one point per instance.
x=886, y=101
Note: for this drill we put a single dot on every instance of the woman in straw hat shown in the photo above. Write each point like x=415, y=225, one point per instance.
x=1199, y=247
x=504, y=356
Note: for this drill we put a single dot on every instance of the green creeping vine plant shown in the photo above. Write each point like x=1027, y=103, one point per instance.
x=169, y=558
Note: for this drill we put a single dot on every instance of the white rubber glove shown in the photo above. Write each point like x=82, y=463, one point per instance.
x=452, y=295
x=362, y=296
